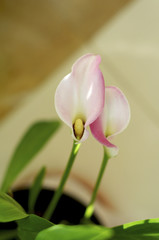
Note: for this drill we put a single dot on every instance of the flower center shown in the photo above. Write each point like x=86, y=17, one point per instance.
x=78, y=128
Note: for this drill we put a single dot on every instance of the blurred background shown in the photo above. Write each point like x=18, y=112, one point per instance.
x=37, y=36
x=39, y=42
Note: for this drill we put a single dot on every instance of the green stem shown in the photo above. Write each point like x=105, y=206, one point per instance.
x=90, y=208
x=58, y=193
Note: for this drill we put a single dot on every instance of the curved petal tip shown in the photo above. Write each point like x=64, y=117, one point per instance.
x=113, y=119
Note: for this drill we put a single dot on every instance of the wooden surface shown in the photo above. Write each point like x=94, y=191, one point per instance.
x=36, y=36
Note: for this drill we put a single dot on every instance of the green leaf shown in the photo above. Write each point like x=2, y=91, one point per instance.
x=29, y=227
x=79, y=232
x=8, y=234
x=35, y=189
x=34, y=139
x=10, y=210
x=139, y=230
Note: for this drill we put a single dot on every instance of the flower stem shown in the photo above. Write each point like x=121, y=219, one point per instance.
x=53, y=203
x=90, y=208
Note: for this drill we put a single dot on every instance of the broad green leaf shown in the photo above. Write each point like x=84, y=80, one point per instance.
x=8, y=234
x=10, y=210
x=139, y=230
x=29, y=227
x=34, y=139
x=79, y=232
x=35, y=189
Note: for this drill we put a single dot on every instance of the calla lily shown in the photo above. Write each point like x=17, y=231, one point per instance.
x=80, y=96
x=113, y=119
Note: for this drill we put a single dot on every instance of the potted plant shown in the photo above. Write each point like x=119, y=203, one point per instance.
x=81, y=100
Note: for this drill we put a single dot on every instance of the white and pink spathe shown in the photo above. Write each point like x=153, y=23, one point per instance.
x=113, y=120
x=82, y=94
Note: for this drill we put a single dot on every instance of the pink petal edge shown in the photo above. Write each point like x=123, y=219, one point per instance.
x=113, y=119
x=97, y=132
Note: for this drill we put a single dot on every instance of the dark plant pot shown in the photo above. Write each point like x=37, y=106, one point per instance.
x=68, y=210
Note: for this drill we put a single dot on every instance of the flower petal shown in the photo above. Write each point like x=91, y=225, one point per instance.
x=89, y=86
x=116, y=114
x=81, y=94
x=98, y=132
x=114, y=118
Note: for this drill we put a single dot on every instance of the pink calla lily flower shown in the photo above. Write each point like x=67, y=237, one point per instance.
x=80, y=96
x=113, y=119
